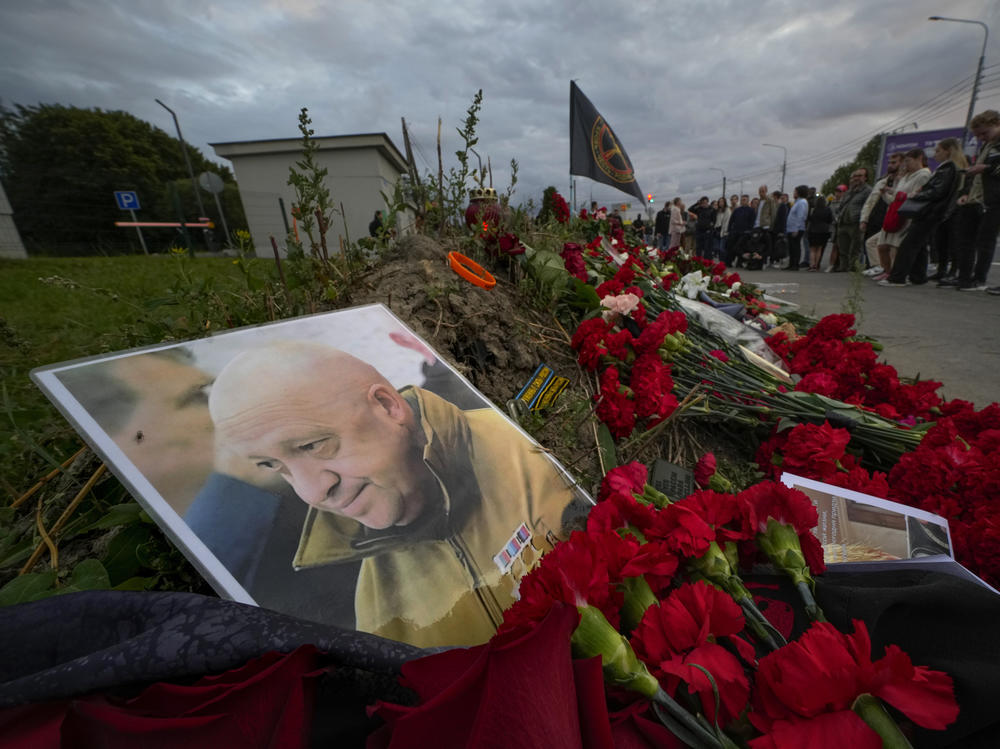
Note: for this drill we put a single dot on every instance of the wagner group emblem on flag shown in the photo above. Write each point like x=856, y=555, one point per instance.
x=594, y=149
x=608, y=154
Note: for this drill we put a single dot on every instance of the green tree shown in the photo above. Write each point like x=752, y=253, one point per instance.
x=60, y=166
x=867, y=156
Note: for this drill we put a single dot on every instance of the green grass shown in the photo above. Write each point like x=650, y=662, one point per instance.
x=55, y=309
x=61, y=322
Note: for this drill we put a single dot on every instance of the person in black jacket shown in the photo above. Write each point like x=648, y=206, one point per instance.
x=704, y=215
x=978, y=215
x=820, y=223
x=778, y=241
x=375, y=225
x=936, y=194
x=662, y=227
x=740, y=224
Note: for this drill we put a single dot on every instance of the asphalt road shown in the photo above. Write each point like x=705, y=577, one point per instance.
x=938, y=334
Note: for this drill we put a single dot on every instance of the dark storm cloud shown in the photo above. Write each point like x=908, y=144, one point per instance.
x=686, y=85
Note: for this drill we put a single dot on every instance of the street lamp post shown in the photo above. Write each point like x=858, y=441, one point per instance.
x=716, y=169
x=979, y=68
x=187, y=159
x=784, y=161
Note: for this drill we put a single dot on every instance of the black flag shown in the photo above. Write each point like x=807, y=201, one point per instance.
x=594, y=150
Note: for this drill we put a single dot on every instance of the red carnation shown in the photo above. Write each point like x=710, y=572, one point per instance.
x=560, y=208
x=704, y=469
x=572, y=255
x=819, y=676
x=588, y=342
x=683, y=529
x=683, y=631
x=732, y=517
x=821, y=382
x=627, y=479
x=626, y=274
x=585, y=569
x=509, y=244
x=615, y=407
x=815, y=449
x=611, y=287
x=652, y=384
x=790, y=507
x=835, y=327
x=772, y=499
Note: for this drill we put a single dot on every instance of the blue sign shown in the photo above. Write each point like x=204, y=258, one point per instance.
x=925, y=140
x=127, y=200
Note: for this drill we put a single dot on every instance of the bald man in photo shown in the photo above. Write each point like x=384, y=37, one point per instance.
x=446, y=508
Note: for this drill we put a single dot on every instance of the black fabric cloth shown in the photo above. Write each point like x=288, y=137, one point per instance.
x=100, y=641
x=82, y=642
x=942, y=622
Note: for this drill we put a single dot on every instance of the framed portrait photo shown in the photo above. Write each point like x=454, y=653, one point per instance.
x=332, y=467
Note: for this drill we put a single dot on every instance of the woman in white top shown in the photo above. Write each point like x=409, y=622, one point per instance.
x=677, y=214
x=912, y=176
x=722, y=214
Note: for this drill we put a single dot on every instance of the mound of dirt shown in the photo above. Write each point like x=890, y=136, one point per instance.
x=496, y=338
x=485, y=334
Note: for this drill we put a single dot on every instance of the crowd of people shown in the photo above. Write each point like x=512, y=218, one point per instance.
x=890, y=230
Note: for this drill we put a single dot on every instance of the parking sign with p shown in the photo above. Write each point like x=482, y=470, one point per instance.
x=127, y=200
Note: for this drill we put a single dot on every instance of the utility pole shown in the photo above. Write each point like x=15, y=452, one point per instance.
x=716, y=169
x=979, y=69
x=784, y=161
x=187, y=159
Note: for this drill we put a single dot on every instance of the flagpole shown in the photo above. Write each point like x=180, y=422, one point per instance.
x=572, y=189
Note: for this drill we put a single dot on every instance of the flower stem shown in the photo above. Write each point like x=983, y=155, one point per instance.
x=812, y=608
x=763, y=629
x=870, y=710
x=681, y=723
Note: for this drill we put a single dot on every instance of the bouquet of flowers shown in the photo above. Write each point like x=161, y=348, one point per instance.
x=643, y=340
x=652, y=591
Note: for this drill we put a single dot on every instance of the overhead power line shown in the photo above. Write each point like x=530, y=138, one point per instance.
x=950, y=99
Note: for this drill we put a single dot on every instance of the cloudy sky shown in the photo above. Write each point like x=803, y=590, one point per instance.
x=687, y=84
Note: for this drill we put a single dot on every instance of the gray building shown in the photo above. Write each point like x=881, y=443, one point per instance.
x=360, y=168
x=10, y=240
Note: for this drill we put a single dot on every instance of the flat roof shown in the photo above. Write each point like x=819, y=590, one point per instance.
x=380, y=141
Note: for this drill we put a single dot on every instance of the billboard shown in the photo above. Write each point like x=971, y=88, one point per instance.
x=925, y=140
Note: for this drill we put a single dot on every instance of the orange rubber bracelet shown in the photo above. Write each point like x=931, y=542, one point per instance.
x=471, y=271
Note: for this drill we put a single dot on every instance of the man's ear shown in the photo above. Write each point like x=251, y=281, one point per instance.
x=387, y=399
